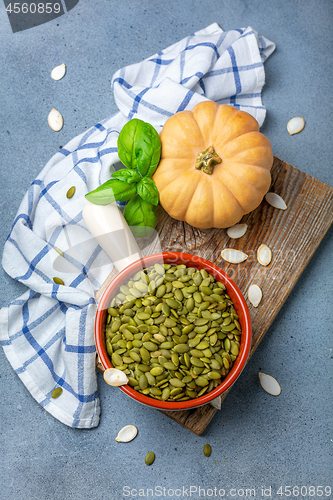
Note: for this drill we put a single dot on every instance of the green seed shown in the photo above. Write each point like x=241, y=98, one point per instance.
x=165, y=309
x=181, y=348
x=203, y=345
x=170, y=366
x=207, y=450
x=58, y=281
x=70, y=192
x=175, y=382
x=160, y=291
x=116, y=359
x=156, y=371
x=179, y=294
x=143, y=315
x=159, y=269
x=165, y=394
x=150, y=346
x=155, y=391
x=174, y=304
x=197, y=362
x=135, y=357
x=201, y=381
x=56, y=392
x=150, y=457
x=145, y=355
x=197, y=278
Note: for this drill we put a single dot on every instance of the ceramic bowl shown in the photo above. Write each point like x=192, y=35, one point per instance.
x=236, y=296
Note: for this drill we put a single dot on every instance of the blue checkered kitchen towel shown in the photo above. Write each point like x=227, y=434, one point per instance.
x=48, y=332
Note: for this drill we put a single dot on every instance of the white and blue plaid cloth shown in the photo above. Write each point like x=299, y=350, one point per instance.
x=48, y=332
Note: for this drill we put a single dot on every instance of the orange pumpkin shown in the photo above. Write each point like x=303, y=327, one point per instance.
x=215, y=165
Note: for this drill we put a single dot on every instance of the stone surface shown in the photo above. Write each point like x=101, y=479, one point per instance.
x=257, y=440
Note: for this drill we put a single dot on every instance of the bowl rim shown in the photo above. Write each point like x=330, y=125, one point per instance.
x=194, y=260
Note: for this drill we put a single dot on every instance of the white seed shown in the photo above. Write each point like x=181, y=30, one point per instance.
x=115, y=377
x=233, y=256
x=237, y=231
x=295, y=125
x=55, y=120
x=216, y=403
x=58, y=72
x=126, y=434
x=276, y=201
x=264, y=255
x=269, y=384
x=254, y=295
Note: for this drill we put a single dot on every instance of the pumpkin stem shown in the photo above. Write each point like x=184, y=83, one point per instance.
x=207, y=160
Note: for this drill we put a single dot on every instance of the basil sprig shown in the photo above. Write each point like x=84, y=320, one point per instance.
x=139, y=149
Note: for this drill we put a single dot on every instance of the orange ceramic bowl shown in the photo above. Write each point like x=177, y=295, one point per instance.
x=240, y=305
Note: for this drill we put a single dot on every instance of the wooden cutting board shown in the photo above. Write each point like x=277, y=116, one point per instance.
x=293, y=236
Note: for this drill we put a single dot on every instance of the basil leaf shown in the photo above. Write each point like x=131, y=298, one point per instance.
x=147, y=150
x=127, y=175
x=127, y=140
x=148, y=191
x=139, y=147
x=140, y=215
x=112, y=190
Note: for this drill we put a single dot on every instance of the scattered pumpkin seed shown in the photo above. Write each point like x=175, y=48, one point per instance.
x=233, y=256
x=264, y=255
x=269, y=384
x=70, y=192
x=115, y=377
x=276, y=201
x=237, y=231
x=56, y=392
x=55, y=120
x=254, y=295
x=150, y=457
x=126, y=434
x=58, y=72
x=207, y=450
x=295, y=125
x=58, y=281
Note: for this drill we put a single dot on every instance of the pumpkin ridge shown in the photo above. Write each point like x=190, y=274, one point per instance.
x=252, y=186
x=180, y=192
x=231, y=192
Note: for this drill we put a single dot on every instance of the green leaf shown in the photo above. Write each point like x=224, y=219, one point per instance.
x=127, y=140
x=147, y=150
x=139, y=147
x=140, y=215
x=127, y=175
x=110, y=191
x=148, y=191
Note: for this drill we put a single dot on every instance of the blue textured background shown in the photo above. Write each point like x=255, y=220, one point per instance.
x=257, y=440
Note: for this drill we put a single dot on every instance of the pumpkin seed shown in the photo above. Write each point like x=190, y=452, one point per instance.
x=55, y=120
x=207, y=450
x=269, y=384
x=237, y=231
x=233, y=256
x=254, y=295
x=275, y=200
x=264, y=255
x=56, y=392
x=150, y=457
x=58, y=281
x=295, y=125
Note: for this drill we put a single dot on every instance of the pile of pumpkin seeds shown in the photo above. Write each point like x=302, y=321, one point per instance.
x=174, y=331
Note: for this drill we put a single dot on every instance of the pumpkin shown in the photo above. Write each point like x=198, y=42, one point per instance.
x=215, y=165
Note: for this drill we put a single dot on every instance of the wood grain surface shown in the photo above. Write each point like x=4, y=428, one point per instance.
x=293, y=236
